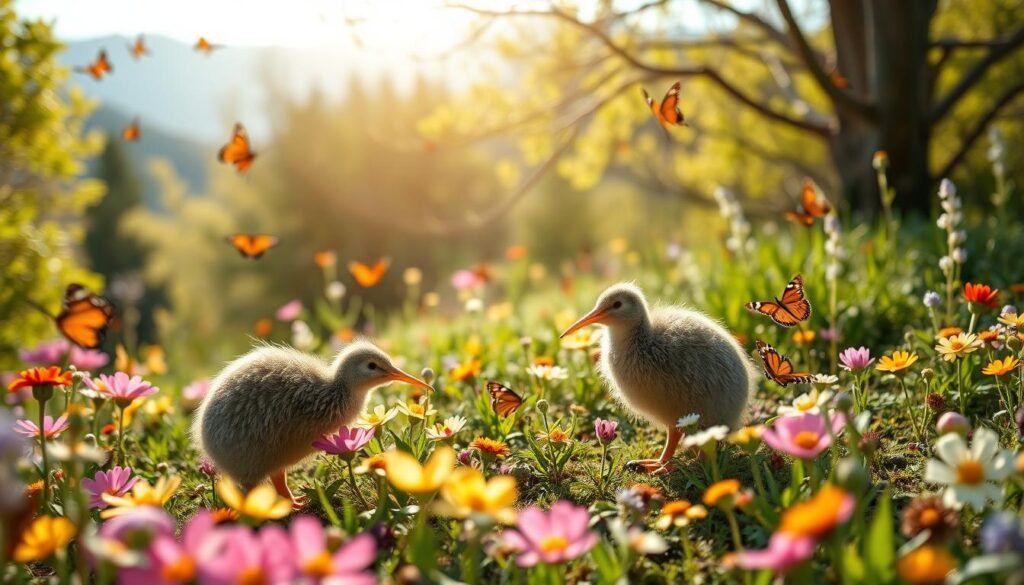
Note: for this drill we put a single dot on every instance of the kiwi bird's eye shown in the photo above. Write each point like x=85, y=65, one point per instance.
x=617, y=305
x=373, y=366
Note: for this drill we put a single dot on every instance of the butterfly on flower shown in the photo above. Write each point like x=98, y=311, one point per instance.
x=252, y=245
x=132, y=132
x=789, y=310
x=138, y=48
x=237, y=151
x=667, y=112
x=98, y=68
x=504, y=400
x=368, y=275
x=778, y=368
x=811, y=207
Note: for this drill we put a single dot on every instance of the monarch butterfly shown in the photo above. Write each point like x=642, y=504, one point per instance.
x=84, y=317
x=138, y=48
x=778, y=368
x=504, y=400
x=205, y=46
x=791, y=309
x=237, y=151
x=810, y=206
x=368, y=276
x=132, y=132
x=252, y=245
x=667, y=113
x=100, y=67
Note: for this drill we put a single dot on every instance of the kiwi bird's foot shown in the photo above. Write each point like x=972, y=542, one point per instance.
x=651, y=466
x=299, y=502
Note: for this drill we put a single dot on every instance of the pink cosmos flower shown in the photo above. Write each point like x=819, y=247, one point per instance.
x=238, y=555
x=784, y=551
x=51, y=428
x=172, y=562
x=45, y=354
x=87, y=359
x=551, y=538
x=116, y=482
x=346, y=441
x=120, y=387
x=316, y=564
x=289, y=311
x=802, y=435
x=606, y=430
x=855, y=358
x=467, y=280
x=196, y=391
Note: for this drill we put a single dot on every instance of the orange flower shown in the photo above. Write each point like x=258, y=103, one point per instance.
x=926, y=564
x=803, y=337
x=467, y=370
x=648, y=492
x=981, y=294
x=1017, y=288
x=543, y=360
x=490, y=446
x=263, y=327
x=950, y=331
x=988, y=336
x=345, y=335
x=325, y=258
x=51, y=376
x=222, y=515
x=719, y=491
x=1001, y=367
x=517, y=252
x=817, y=516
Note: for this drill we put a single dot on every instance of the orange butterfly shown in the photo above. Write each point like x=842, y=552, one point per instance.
x=138, y=48
x=205, y=46
x=368, y=276
x=237, y=151
x=778, y=368
x=667, y=113
x=252, y=245
x=504, y=400
x=791, y=309
x=84, y=317
x=132, y=132
x=810, y=206
x=98, y=68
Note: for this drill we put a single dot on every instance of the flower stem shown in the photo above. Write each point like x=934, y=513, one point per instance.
x=355, y=487
x=734, y=528
x=120, y=435
x=42, y=447
x=910, y=410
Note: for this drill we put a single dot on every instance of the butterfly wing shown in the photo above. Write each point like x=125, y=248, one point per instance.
x=368, y=276
x=252, y=245
x=132, y=132
x=670, y=112
x=504, y=400
x=84, y=317
x=800, y=217
x=778, y=368
x=813, y=206
x=237, y=152
x=102, y=65
x=793, y=302
x=653, y=105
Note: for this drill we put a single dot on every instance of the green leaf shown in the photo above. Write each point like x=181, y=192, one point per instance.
x=879, y=546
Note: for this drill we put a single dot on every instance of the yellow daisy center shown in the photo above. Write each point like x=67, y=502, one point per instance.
x=929, y=517
x=806, y=439
x=970, y=472
x=554, y=544
x=319, y=565
x=956, y=345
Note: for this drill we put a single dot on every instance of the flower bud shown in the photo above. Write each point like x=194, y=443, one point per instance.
x=1014, y=343
x=946, y=264
x=936, y=402
x=932, y=299
x=542, y=406
x=162, y=467
x=953, y=422
x=843, y=402
x=851, y=475
x=947, y=189
x=466, y=457
x=428, y=375
x=927, y=373
x=960, y=255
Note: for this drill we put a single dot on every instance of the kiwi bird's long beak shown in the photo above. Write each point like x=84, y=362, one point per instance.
x=400, y=376
x=588, y=319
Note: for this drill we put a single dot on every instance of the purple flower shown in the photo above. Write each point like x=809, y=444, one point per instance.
x=783, y=552
x=51, y=428
x=87, y=359
x=932, y=299
x=346, y=441
x=116, y=482
x=802, y=435
x=207, y=468
x=465, y=457
x=46, y=353
x=855, y=358
x=554, y=537
x=606, y=430
x=196, y=391
x=828, y=334
x=120, y=387
x=1002, y=533
x=289, y=311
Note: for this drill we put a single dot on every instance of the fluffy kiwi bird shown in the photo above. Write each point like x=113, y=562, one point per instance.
x=265, y=409
x=668, y=362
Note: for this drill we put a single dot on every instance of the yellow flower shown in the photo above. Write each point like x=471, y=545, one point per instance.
x=899, y=361
x=418, y=410
x=45, y=536
x=408, y=475
x=803, y=337
x=957, y=346
x=925, y=564
x=142, y=494
x=261, y=503
x=746, y=438
x=582, y=339
x=718, y=492
x=158, y=407
x=1001, y=367
x=379, y=416
x=1012, y=320
x=375, y=464
x=466, y=492
x=949, y=331
x=467, y=370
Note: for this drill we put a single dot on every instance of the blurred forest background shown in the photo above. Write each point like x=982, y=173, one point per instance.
x=542, y=139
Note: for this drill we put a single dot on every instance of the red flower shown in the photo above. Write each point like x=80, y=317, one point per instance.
x=51, y=376
x=982, y=294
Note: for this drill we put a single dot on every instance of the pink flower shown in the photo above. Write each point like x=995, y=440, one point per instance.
x=172, y=562
x=87, y=359
x=855, y=358
x=606, y=430
x=144, y=521
x=45, y=354
x=289, y=311
x=116, y=482
x=316, y=564
x=239, y=555
x=802, y=435
x=120, y=387
x=51, y=428
x=467, y=280
x=555, y=537
x=783, y=552
x=346, y=441
x=196, y=391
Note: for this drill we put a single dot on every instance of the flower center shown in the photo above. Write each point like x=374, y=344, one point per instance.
x=970, y=472
x=929, y=517
x=956, y=345
x=251, y=576
x=806, y=439
x=554, y=544
x=417, y=409
x=183, y=570
x=805, y=405
x=319, y=565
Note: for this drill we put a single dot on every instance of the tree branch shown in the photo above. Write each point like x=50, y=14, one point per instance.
x=975, y=74
x=951, y=43
x=772, y=32
x=842, y=99
x=979, y=128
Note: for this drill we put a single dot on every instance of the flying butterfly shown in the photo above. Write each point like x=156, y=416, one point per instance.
x=810, y=206
x=368, y=276
x=98, y=68
x=237, y=151
x=667, y=112
x=789, y=310
x=138, y=48
x=778, y=368
x=84, y=316
x=132, y=132
x=252, y=245
x=504, y=400
x=205, y=46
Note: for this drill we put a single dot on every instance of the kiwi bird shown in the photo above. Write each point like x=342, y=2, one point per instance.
x=668, y=362
x=265, y=409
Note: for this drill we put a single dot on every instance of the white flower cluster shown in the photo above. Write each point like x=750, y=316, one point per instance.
x=739, y=240
x=949, y=221
x=997, y=156
x=833, y=247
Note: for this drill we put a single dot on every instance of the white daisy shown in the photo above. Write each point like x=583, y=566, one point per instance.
x=546, y=372
x=824, y=379
x=970, y=475
x=688, y=420
x=451, y=425
x=811, y=402
x=699, y=439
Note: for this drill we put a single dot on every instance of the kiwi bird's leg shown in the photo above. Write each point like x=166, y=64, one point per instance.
x=280, y=482
x=663, y=464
